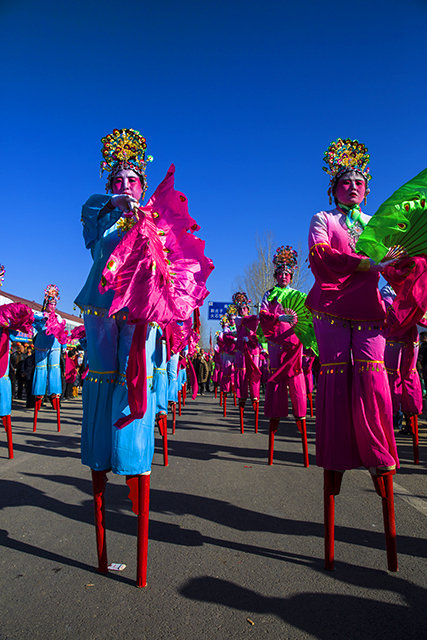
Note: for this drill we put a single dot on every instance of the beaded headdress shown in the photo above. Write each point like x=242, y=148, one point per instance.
x=124, y=149
x=240, y=299
x=346, y=155
x=285, y=260
x=51, y=294
x=51, y=291
x=2, y=272
x=227, y=320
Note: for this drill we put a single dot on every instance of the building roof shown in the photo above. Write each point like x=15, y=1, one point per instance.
x=35, y=306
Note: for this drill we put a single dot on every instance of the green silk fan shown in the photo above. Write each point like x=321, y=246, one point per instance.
x=295, y=300
x=399, y=227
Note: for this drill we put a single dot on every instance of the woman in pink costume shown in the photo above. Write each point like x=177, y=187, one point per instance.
x=227, y=348
x=354, y=425
x=401, y=355
x=285, y=351
x=247, y=371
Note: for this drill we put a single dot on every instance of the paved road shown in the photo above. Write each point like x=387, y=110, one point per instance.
x=236, y=547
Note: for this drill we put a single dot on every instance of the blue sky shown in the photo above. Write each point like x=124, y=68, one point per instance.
x=243, y=97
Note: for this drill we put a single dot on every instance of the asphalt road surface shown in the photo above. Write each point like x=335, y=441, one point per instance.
x=236, y=546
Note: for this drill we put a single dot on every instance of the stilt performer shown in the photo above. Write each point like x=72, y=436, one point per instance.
x=13, y=317
x=246, y=363
x=354, y=425
x=50, y=335
x=285, y=350
x=149, y=270
x=226, y=342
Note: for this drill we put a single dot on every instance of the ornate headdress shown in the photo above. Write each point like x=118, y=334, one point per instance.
x=2, y=272
x=240, y=300
x=51, y=291
x=227, y=320
x=124, y=149
x=285, y=260
x=51, y=294
x=346, y=155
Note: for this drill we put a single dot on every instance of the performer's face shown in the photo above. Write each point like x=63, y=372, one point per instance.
x=127, y=182
x=283, y=278
x=351, y=188
x=245, y=311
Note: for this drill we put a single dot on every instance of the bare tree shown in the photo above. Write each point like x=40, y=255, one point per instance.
x=258, y=277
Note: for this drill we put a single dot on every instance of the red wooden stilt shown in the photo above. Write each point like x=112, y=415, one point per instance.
x=8, y=428
x=274, y=425
x=37, y=405
x=310, y=400
x=57, y=406
x=99, y=481
x=241, y=410
x=221, y=396
x=224, y=403
x=384, y=487
x=173, y=417
x=255, y=404
x=415, y=443
x=143, y=514
x=302, y=428
x=184, y=395
x=163, y=428
x=331, y=488
x=216, y=391
x=179, y=403
x=235, y=398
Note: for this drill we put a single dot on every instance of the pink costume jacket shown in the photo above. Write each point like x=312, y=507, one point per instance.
x=339, y=289
x=247, y=371
x=285, y=351
x=353, y=405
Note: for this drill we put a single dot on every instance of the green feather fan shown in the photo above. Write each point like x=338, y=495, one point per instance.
x=399, y=227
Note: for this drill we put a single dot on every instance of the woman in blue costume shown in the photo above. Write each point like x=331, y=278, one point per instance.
x=17, y=317
x=47, y=374
x=128, y=450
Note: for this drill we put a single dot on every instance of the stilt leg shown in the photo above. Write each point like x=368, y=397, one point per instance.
x=384, y=487
x=8, y=428
x=184, y=395
x=99, y=481
x=255, y=405
x=274, y=425
x=331, y=488
x=143, y=514
x=173, y=417
x=57, y=406
x=241, y=410
x=224, y=403
x=235, y=398
x=216, y=391
x=37, y=405
x=163, y=428
x=179, y=403
x=310, y=400
x=415, y=444
x=302, y=428
x=221, y=395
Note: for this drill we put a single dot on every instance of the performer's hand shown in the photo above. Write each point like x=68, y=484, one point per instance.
x=126, y=203
x=381, y=266
x=287, y=317
x=245, y=339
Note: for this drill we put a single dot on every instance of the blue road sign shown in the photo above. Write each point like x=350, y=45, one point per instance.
x=217, y=309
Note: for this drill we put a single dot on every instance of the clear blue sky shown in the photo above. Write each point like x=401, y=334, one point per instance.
x=243, y=96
